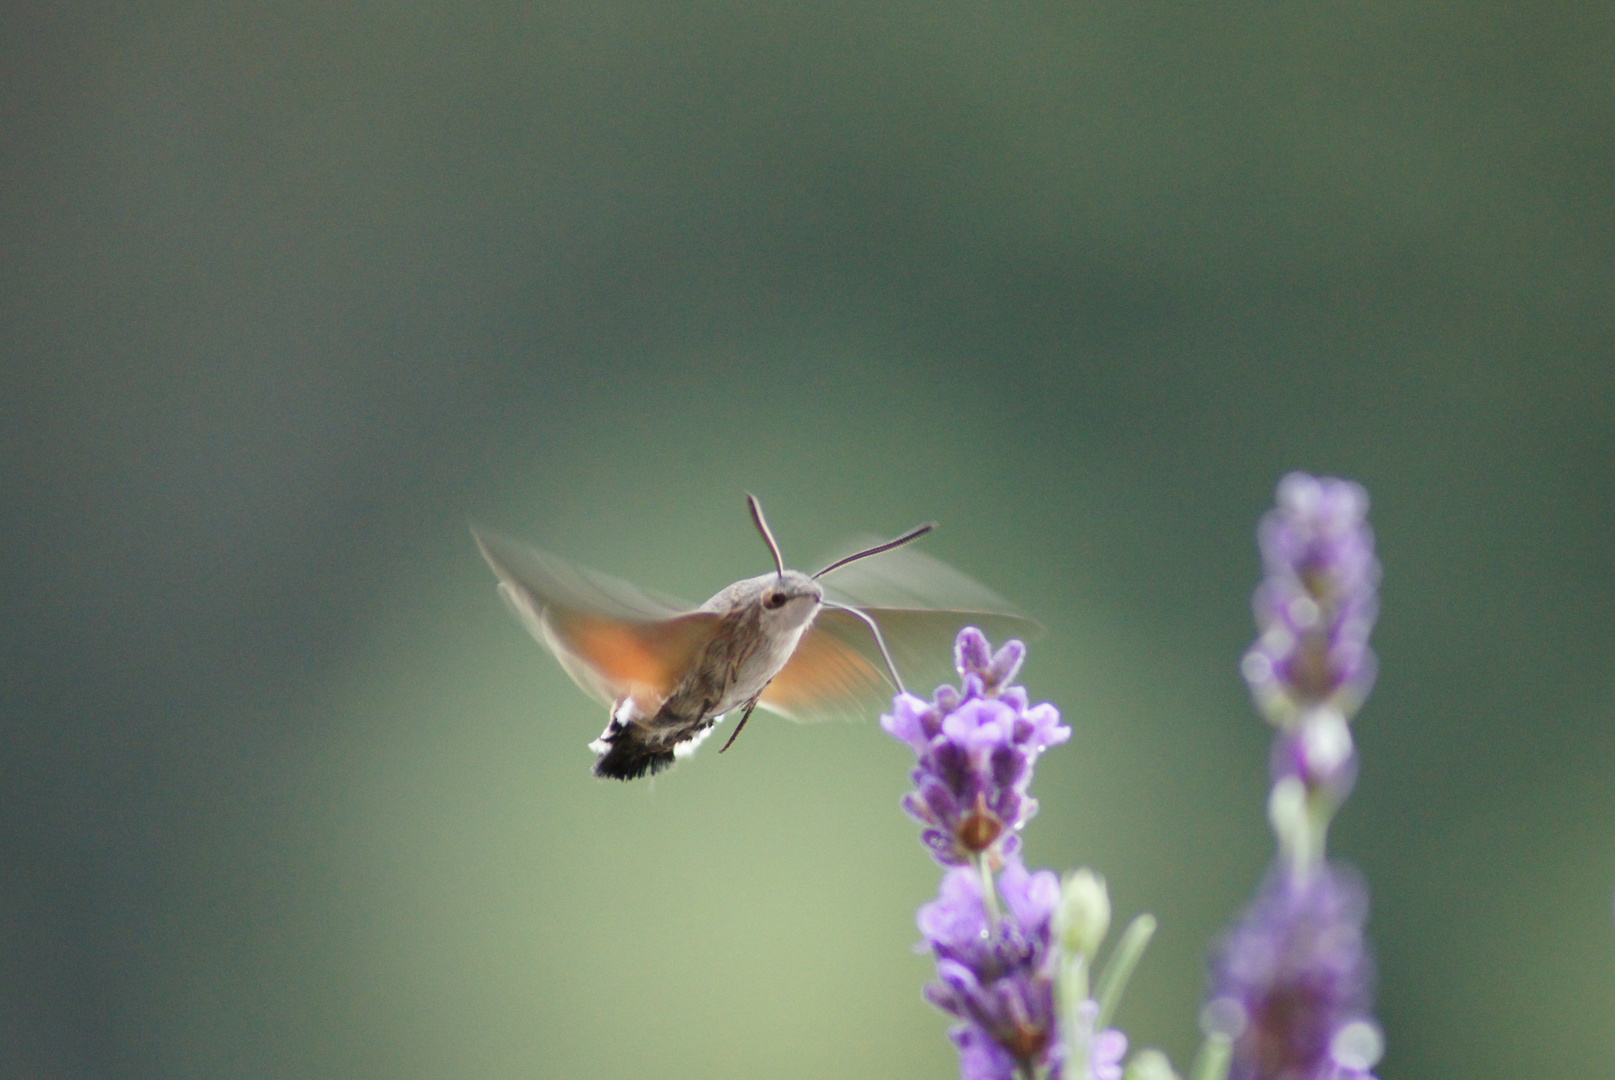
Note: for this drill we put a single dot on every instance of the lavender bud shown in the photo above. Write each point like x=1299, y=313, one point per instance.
x=1150, y=1065
x=1083, y=917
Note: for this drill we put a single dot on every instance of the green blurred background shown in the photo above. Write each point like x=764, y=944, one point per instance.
x=293, y=291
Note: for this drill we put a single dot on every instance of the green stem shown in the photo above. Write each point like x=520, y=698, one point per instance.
x=1119, y=968
x=1211, y=1063
x=989, y=895
x=1073, y=993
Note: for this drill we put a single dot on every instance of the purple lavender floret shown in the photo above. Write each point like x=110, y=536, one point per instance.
x=976, y=747
x=1105, y=1057
x=1317, y=602
x=1297, y=971
x=997, y=976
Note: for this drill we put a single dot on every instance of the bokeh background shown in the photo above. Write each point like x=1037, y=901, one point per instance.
x=292, y=292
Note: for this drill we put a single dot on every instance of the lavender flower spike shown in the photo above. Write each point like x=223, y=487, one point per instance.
x=1311, y=666
x=997, y=976
x=1292, y=983
x=1296, y=975
x=1317, y=602
x=976, y=747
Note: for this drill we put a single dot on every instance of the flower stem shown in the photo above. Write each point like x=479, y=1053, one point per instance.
x=1078, y=1015
x=989, y=895
x=1211, y=1063
x=1123, y=959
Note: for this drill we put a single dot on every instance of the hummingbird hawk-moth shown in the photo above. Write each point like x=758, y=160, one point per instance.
x=783, y=640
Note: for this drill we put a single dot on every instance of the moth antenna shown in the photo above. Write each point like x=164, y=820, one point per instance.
x=907, y=538
x=874, y=628
x=768, y=538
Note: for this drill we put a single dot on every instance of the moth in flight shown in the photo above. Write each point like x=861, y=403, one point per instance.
x=785, y=640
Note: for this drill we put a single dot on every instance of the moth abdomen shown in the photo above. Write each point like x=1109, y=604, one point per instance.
x=629, y=758
x=631, y=749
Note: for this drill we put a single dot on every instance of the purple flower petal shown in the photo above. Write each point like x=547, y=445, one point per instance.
x=1106, y=1053
x=1031, y=897
x=980, y=1057
x=957, y=915
x=916, y=806
x=907, y=719
x=940, y=799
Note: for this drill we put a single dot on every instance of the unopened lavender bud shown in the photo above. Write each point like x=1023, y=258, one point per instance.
x=1006, y=663
x=1150, y=1065
x=1083, y=917
x=971, y=653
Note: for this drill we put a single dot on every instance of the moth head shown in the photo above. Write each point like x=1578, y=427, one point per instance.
x=787, y=600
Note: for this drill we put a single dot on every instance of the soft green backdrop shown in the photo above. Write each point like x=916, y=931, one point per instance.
x=291, y=292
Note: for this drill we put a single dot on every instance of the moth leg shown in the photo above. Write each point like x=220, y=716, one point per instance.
x=750, y=705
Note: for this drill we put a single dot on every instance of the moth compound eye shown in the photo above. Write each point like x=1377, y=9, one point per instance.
x=774, y=601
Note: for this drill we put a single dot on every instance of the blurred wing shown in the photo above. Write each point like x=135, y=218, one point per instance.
x=613, y=639
x=920, y=605
x=826, y=677
x=908, y=578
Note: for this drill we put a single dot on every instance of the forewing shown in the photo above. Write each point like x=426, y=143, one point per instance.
x=614, y=639
x=827, y=677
